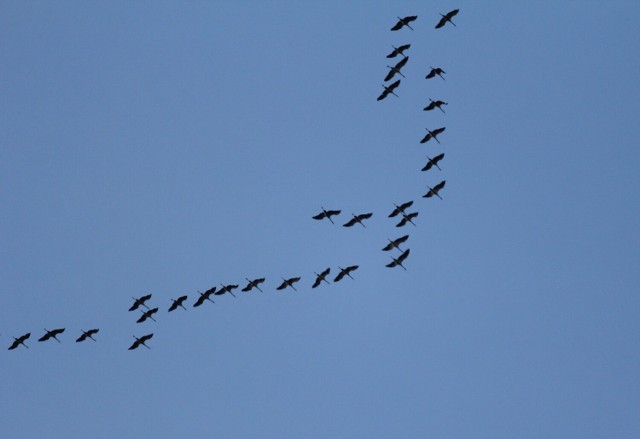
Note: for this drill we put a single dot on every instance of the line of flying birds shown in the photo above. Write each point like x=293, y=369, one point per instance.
x=406, y=217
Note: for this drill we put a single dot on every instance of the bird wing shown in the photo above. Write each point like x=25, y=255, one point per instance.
x=401, y=240
x=352, y=268
x=406, y=205
x=325, y=272
x=439, y=131
x=340, y=275
x=146, y=337
x=403, y=256
x=249, y=286
x=426, y=138
x=350, y=223
x=437, y=158
x=365, y=216
x=181, y=299
x=452, y=14
x=410, y=18
x=401, y=63
x=45, y=337
x=200, y=300
x=384, y=94
x=430, y=107
x=412, y=215
x=173, y=306
x=392, y=264
x=402, y=222
x=83, y=337
x=393, y=53
x=282, y=286
x=394, y=85
x=390, y=75
x=403, y=47
x=431, y=74
x=428, y=166
x=388, y=247
x=441, y=23
x=319, y=216
x=333, y=212
x=398, y=25
x=439, y=186
x=395, y=212
x=293, y=280
x=317, y=282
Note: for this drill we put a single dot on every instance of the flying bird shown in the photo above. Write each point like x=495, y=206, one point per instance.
x=435, y=104
x=435, y=71
x=254, y=284
x=51, y=334
x=178, y=303
x=345, y=272
x=205, y=296
x=447, y=17
x=288, y=283
x=398, y=50
x=395, y=243
x=433, y=162
x=407, y=218
x=20, y=341
x=226, y=289
x=434, y=190
x=432, y=134
x=358, y=219
x=147, y=315
x=321, y=278
x=404, y=22
x=399, y=260
x=389, y=90
x=326, y=214
x=141, y=341
x=87, y=334
x=396, y=69
x=401, y=208
x=140, y=301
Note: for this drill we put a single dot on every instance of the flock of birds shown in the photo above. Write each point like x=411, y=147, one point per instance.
x=399, y=210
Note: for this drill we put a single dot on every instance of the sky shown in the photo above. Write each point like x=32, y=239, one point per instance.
x=168, y=147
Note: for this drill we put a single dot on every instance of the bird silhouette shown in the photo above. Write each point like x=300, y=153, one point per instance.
x=288, y=283
x=398, y=50
x=435, y=104
x=435, y=190
x=435, y=71
x=226, y=289
x=87, y=334
x=399, y=260
x=401, y=208
x=358, y=219
x=447, y=17
x=326, y=214
x=389, y=90
x=148, y=314
x=141, y=341
x=178, y=303
x=433, y=162
x=321, y=278
x=432, y=134
x=254, y=284
x=17, y=341
x=140, y=301
x=396, y=69
x=404, y=22
x=51, y=334
x=407, y=218
x=395, y=243
x=205, y=296
x=345, y=272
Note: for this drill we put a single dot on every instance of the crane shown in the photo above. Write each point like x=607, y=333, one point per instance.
x=432, y=134
x=396, y=69
x=178, y=303
x=17, y=341
x=140, y=301
x=358, y=219
x=288, y=283
x=399, y=260
x=404, y=22
x=435, y=71
x=433, y=162
x=435, y=104
x=326, y=214
x=398, y=50
x=226, y=289
x=147, y=315
x=389, y=90
x=407, y=218
x=321, y=278
x=254, y=284
x=205, y=296
x=401, y=208
x=434, y=190
x=141, y=341
x=345, y=272
x=447, y=17
x=87, y=334
x=395, y=243
x=51, y=334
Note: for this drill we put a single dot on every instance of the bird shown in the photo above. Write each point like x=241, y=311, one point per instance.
x=401, y=208
x=395, y=243
x=396, y=69
x=434, y=190
x=399, y=260
x=140, y=301
x=345, y=272
x=205, y=296
x=435, y=104
x=358, y=219
x=253, y=283
x=321, y=278
x=20, y=341
x=87, y=334
x=398, y=50
x=288, y=283
x=404, y=22
x=226, y=289
x=432, y=134
x=407, y=218
x=141, y=341
x=147, y=315
x=178, y=303
x=433, y=162
x=435, y=71
x=51, y=334
x=447, y=17
x=326, y=214
x=389, y=90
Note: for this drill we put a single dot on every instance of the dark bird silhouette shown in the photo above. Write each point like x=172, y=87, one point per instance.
x=435, y=104
x=148, y=315
x=345, y=272
x=398, y=50
x=401, y=208
x=288, y=283
x=396, y=69
x=395, y=243
x=205, y=296
x=407, y=218
x=447, y=17
x=20, y=341
x=226, y=289
x=389, y=90
x=254, y=284
x=433, y=162
x=432, y=134
x=399, y=260
x=326, y=214
x=321, y=278
x=141, y=341
x=140, y=301
x=435, y=71
x=52, y=334
x=404, y=22
x=358, y=219
x=87, y=334
x=178, y=303
x=434, y=190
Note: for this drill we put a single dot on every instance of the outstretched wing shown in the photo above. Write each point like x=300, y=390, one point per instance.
x=319, y=216
x=441, y=23
x=401, y=63
x=439, y=131
x=390, y=75
x=365, y=216
x=350, y=223
x=403, y=256
x=439, y=186
x=426, y=138
x=340, y=275
x=452, y=14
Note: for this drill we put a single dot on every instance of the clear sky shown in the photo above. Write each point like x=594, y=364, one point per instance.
x=167, y=147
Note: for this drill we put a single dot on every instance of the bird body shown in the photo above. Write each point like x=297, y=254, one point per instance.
x=404, y=22
x=433, y=162
x=321, y=278
x=398, y=50
x=358, y=219
x=178, y=303
x=435, y=190
x=51, y=334
x=389, y=90
x=87, y=334
x=399, y=260
x=447, y=17
x=345, y=272
x=141, y=341
x=432, y=134
x=395, y=243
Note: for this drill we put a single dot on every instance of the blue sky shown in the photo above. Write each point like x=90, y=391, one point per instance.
x=166, y=147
